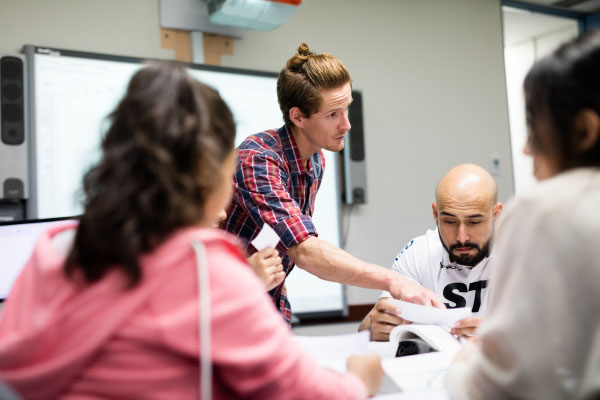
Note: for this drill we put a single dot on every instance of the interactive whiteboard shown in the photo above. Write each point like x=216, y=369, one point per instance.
x=17, y=240
x=71, y=94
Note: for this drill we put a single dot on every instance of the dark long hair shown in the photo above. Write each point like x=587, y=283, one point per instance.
x=161, y=155
x=557, y=89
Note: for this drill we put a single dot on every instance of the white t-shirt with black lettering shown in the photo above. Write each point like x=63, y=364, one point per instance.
x=425, y=260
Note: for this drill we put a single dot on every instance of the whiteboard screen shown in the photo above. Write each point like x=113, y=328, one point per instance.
x=17, y=240
x=71, y=94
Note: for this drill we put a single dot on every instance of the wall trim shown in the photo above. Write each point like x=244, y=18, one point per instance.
x=356, y=313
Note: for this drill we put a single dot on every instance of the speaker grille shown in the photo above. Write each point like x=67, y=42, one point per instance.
x=12, y=92
x=12, y=68
x=11, y=82
x=357, y=140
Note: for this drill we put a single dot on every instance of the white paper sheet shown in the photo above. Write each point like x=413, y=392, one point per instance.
x=418, y=372
x=430, y=315
x=265, y=238
x=436, y=336
x=333, y=351
x=433, y=394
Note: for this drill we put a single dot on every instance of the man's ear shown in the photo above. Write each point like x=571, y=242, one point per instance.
x=587, y=130
x=497, y=210
x=297, y=117
x=435, y=212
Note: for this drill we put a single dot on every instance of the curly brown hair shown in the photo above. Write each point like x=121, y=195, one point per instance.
x=166, y=143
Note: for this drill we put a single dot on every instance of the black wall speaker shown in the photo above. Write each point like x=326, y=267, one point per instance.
x=13, y=132
x=355, y=171
x=12, y=100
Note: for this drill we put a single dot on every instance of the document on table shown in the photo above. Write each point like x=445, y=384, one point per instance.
x=333, y=351
x=430, y=315
x=265, y=238
x=433, y=394
x=425, y=376
x=418, y=372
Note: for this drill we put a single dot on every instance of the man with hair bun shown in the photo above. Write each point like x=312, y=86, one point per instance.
x=279, y=171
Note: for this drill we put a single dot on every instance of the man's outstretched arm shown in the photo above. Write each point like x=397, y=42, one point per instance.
x=331, y=263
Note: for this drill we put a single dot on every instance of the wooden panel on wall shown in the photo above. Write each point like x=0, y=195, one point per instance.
x=178, y=41
x=215, y=46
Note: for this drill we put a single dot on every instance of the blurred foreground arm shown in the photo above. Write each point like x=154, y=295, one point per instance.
x=368, y=369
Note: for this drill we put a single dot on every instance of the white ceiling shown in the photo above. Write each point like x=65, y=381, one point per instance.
x=588, y=6
x=519, y=25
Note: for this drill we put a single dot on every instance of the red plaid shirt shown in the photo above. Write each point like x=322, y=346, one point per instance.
x=273, y=186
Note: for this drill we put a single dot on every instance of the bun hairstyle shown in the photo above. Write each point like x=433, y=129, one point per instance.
x=161, y=156
x=557, y=89
x=303, y=50
x=304, y=76
x=302, y=54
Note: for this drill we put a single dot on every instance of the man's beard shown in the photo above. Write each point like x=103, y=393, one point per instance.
x=467, y=259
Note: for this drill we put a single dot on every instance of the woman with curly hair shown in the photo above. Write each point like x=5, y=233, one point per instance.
x=143, y=298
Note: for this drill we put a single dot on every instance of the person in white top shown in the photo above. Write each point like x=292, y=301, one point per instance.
x=541, y=337
x=453, y=260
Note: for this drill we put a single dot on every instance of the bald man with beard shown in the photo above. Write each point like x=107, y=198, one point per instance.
x=453, y=260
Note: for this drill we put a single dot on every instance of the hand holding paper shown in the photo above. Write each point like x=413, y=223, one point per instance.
x=266, y=262
x=430, y=315
x=267, y=265
x=467, y=327
x=265, y=238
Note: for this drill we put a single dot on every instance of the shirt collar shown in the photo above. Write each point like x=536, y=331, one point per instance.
x=292, y=153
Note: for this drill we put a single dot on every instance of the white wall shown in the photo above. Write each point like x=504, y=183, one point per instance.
x=431, y=73
x=434, y=96
x=528, y=37
x=123, y=27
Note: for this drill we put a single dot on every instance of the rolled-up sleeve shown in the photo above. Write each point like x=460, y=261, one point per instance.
x=261, y=184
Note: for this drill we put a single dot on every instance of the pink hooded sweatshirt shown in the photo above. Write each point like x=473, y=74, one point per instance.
x=64, y=340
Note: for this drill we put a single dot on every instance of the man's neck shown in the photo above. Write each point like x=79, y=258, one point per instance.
x=305, y=147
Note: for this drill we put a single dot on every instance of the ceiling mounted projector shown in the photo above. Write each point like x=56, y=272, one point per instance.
x=262, y=15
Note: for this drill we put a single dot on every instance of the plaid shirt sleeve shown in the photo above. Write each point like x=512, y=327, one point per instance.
x=261, y=183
